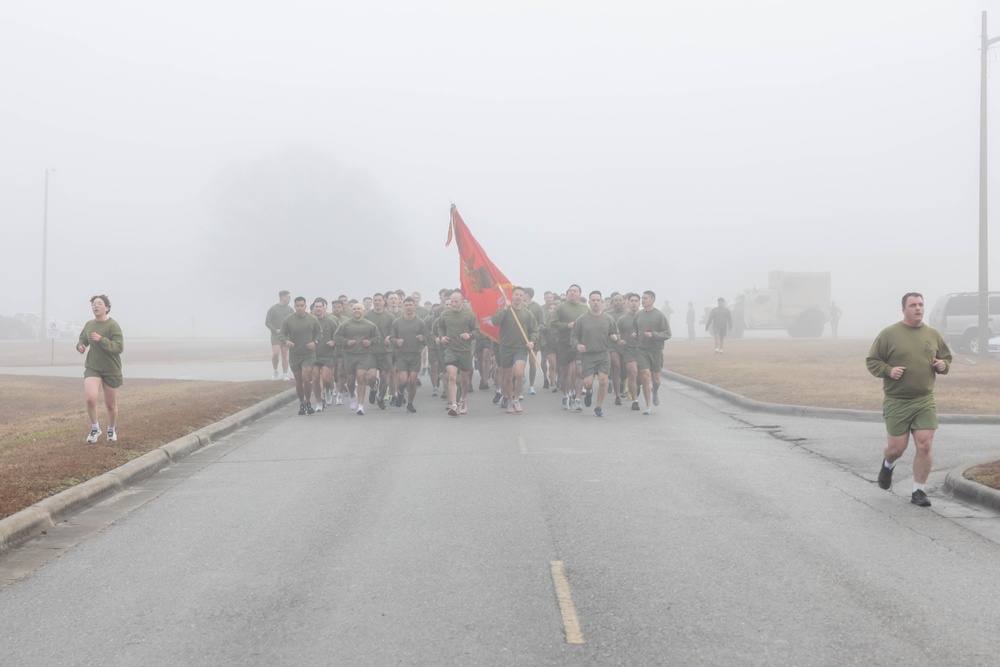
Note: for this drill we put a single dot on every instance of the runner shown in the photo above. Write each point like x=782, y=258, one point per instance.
x=593, y=335
x=457, y=330
x=103, y=367
x=518, y=338
x=566, y=354
x=381, y=367
x=276, y=314
x=616, y=311
x=628, y=344
x=355, y=337
x=326, y=359
x=536, y=310
x=652, y=330
x=299, y=333
x=408, y=336
x=550, y=345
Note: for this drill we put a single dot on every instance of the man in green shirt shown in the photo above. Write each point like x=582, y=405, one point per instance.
x=536, y=310
x=627, y=348
x=518, y=338
x=616, y=311
x=909, y=355
x=407, y=336
x=276, y=314
x=356, y=337
x=298, y=334
x=457, y=331
x=593, y=335
x=720, y=320
x=381, y=366
x=566, y=354
x=326, y=359
x=652, y=330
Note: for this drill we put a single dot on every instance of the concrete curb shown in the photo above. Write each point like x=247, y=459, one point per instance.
x=955, y=482
x=957, y=485
x=44, y=514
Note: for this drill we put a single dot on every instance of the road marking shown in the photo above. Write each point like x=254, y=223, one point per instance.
x=522, y=444
x=571, y=624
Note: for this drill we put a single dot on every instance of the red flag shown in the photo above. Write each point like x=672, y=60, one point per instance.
x=483, y=284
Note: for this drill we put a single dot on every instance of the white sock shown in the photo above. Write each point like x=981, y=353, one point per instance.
x=95, y=427
x=888, y=465
x=917, y=487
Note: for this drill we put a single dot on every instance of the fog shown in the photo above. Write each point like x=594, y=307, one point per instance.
x=208, y=154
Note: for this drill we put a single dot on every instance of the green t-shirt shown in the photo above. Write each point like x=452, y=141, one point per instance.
x=566, y=312
x=916, y=348
x=453, y=324
x=595, y=332
x=383, y=321
x=358, y=331
x=276, y=314
x=105, y=356
x=301, y=331
x=655, y=322
x=626, y=326
x=328, y=325
x=510, y=336
x=407, y=331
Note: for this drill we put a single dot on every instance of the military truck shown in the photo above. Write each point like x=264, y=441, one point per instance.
x=797, y=301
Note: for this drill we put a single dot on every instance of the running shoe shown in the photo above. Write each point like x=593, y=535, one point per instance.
x=656, y=399
x=462, y=409
x=517, y=407
x=648, y=410
x=635, y=406
x=884, y=477
x=497, y=397
x=410, y=408
x=381, y=403
x=588, y=398
x=576, y=405
x=565, y=402
x=598, y=412
x=112, y=435
x=338, y=400
x=95, y=433
x=302, y=408
x=361, y=410
x=618, y=399
x=434, y=392
x=531, y=391
x=453, y=410
x=510, y=408
x=309, y=408
x=319, y=407
x=920, y=498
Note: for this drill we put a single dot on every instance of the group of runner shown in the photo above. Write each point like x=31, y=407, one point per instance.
x=383, y=344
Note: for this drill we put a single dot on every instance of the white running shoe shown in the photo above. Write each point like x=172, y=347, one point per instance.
x=648, y=411
x=338, y=400
x=275, y=376
x=95, y=433
x=461, y=408
x=112, y=435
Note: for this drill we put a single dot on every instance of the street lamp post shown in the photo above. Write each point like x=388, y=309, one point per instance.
x=984, y=288
x=45, y=246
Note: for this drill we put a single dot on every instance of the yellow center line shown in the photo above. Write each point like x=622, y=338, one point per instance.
x=571, y=624
x=522, y=444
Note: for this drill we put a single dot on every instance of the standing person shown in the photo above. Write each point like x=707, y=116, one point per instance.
x=835, y=314
x=566, y=354
x=276, y=314
x=652, y=330
x=628, y=344
x=593, y=335
x=103, y=367
x=457, y=331
x=690, y=320
x=909, y=355
x=355, y=337
x=518, y=339
x=720, y=320
x=407, y=336
x=299, y=333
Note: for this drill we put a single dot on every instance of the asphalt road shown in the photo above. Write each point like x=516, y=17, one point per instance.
x=699, y=535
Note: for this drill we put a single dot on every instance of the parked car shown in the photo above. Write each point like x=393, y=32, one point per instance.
x=956, y=316
x=11, y=327
x=995, y=347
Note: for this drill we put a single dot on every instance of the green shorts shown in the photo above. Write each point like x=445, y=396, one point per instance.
x=651, y=359
x=327, y=361
x=565, y=355
x=595, y=363
x=462, y=360
x=408, y=363
x=903, y=415
x=299, y=361
x=274, y=339
x=113, y=381
x=509, y=355
x=356, y=362
x=380, y=361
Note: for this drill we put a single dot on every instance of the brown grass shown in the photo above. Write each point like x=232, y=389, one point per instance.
x=44, y=427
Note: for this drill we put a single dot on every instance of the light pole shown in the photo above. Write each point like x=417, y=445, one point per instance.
x=984, y=287
x=45, y=246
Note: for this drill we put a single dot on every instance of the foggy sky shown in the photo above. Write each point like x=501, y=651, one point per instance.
x=209, y=154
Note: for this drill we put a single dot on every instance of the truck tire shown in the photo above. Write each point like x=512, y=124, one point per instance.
x=809, y=325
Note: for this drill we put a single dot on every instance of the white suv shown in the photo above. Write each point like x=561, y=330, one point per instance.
x=956, y=316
